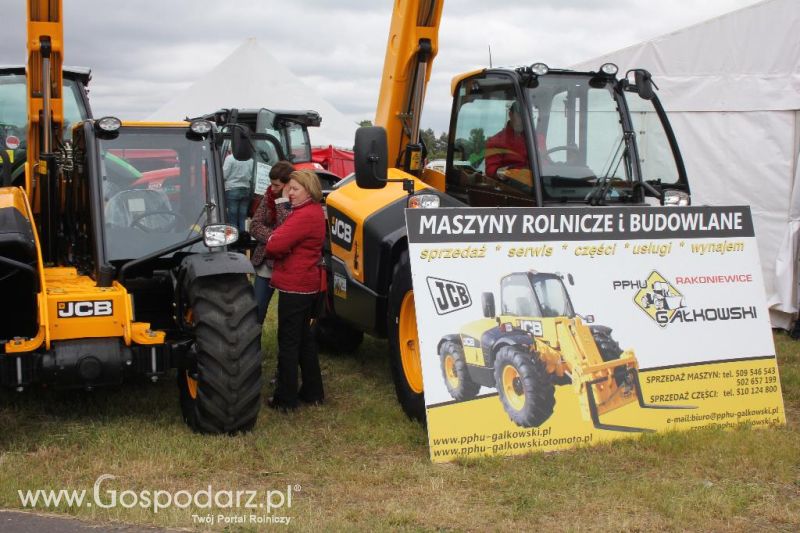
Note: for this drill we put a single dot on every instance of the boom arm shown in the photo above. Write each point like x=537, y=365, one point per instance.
x=45, y=112
x=412, y=46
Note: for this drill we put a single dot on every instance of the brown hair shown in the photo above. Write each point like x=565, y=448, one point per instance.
x=310, y=182
x=281, y=171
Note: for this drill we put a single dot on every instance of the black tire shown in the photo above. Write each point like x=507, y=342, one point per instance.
x=609, y=350
x=220, y=384
x=407, y=387
x=524, y=388
x=336, y=337
x=454, y=371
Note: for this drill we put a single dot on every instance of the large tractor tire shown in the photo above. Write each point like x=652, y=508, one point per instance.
x=220, y=385
x=609, y=350
x=404, y=354
x=524, y=388
x=336, y=337
x=455, y=373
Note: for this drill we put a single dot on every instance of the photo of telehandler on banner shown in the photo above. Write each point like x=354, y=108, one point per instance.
x=544, y=329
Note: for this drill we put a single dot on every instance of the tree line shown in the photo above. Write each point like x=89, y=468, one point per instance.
x=436, y=145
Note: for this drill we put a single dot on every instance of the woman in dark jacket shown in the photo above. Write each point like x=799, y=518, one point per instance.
x=296, y=247
x=272, y=211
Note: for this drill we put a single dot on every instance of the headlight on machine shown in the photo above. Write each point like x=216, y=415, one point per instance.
x=609, y=69
x=674, y=197
x=540, y=69
x=215, y=235
x=108, y=124
x=200, y=127
x=423, y=201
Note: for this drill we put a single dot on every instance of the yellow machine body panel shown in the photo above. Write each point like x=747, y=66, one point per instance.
x=77, y=308
x=359, y=204
x=14, y=197
x=71, y=306
x=471, y=340
x=587, y=368
x=464, y=75
x=434, y=179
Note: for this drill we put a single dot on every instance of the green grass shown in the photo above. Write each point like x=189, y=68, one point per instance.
x=362, y=465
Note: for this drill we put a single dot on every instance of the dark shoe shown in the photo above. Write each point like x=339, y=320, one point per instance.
x=274, y=403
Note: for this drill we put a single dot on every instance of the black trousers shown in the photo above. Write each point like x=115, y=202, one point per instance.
x=297, y=347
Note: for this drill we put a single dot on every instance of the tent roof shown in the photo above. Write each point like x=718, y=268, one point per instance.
x=746, y=60
x=250, y=77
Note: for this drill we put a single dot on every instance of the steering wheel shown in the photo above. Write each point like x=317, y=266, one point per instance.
x=137, y=221
x=565, y=148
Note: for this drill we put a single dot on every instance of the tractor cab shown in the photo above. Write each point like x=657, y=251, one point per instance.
x=151, y=187
x=276, y=135
x=535, y=294
x=288, y=129
x=151, y=192
x=536, y=136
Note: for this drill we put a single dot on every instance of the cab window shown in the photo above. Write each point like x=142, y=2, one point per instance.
x=655, y=152
x=490, y=164
x=517, y=297
x=300, y=147
x=552, y=295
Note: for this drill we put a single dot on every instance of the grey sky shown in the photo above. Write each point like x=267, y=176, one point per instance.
x=142, y=51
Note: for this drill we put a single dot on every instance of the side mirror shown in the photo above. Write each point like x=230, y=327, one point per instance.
x=644, y=84
x=589, y=319
x=241, y=147
x=487, y=300
x=570, y=279
x=370, y=156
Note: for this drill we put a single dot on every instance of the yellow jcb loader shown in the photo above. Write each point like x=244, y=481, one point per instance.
x=536, y=342
x=581, y=145
x=113, y=252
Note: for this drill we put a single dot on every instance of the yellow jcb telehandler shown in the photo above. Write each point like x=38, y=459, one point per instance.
x=113, y=252
x=536, y=342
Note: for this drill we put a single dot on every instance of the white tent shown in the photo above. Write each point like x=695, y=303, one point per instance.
x=252, y=78
x=731, y=86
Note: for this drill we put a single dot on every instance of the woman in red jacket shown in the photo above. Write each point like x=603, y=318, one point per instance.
x=296, y=247
x=272, y=211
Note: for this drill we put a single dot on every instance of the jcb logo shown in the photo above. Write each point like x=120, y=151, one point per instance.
x=448, y=296
x=342, y=228
x=84, y=309
x=534, y=327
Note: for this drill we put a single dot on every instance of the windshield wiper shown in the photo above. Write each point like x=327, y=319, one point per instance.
x=205, y=210
x=598, y=193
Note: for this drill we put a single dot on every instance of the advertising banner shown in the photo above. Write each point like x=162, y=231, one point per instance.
x=544, y=329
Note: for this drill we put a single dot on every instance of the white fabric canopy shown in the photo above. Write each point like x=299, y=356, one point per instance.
x=731, y=87
x=252, y=78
